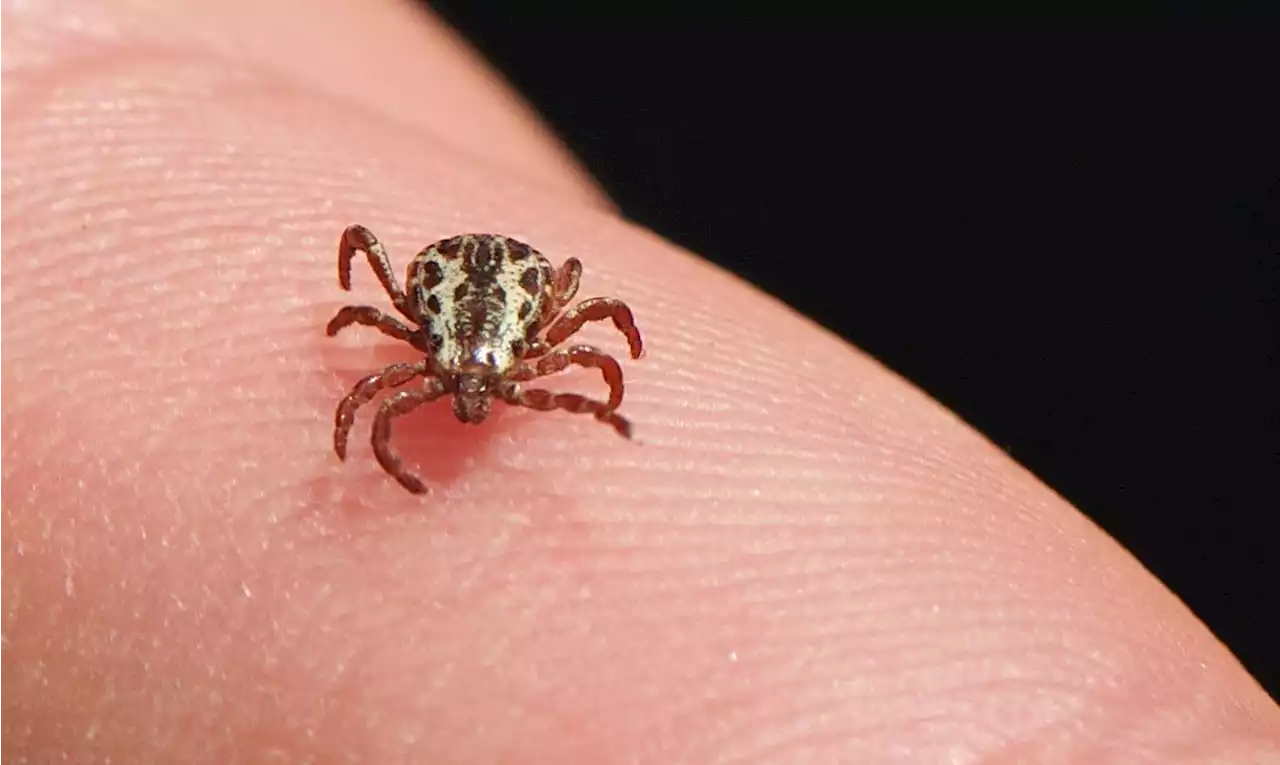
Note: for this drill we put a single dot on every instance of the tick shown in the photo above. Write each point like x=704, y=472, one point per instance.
x=487, y=312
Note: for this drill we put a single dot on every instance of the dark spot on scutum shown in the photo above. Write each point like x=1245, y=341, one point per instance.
x=517, y=348
x=530, y=281
x=518, y=251
x=437, y=341
x=525, y=309
x=499, y=294
x=498, y=251
x=427, y=273
x=483, y=256
x=433, y=304
x=448, y=247
x=460, y=293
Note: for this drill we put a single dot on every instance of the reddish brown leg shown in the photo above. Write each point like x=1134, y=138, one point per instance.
x=597, y=309
x=360, y=239
x=583, y=356
x=546, y=401
x=372, y=317
x=567, y=281
x=401, y=403
x=564, y=285
x=364, y=391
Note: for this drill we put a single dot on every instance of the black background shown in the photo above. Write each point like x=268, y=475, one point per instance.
x=1067, y=232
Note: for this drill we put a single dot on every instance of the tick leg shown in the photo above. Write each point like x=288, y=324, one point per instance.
x=362, y=392
x=401, y=403
x=583, y=356
x=562, y=285
x=360, y=239
x=372, y=317
x=597, y=309
x=546, y=401
x=567, y=278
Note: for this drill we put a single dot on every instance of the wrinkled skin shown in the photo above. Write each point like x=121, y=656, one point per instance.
x=845, y=574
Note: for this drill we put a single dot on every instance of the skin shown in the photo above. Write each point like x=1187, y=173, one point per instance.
x=803, y=560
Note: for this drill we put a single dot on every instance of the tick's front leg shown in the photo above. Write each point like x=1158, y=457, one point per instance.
x=401, y=403
x=363, y=392
x=546, y=401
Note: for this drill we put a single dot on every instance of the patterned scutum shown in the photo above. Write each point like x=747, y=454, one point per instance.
x=481, y=298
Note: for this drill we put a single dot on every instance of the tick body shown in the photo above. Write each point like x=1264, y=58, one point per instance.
x=488, y=313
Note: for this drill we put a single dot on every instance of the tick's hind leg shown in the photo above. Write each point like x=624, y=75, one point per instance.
x=364, y=391
x=597, y=309
x=566, y=283
x=401, y=403
x=583, y=356
x=546, y=401
x=360, y=239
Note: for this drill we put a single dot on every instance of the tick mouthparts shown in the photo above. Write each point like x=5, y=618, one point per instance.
x=471, y=407
x=470, y=384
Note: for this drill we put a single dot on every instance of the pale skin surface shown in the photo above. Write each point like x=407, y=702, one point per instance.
x=805, y=560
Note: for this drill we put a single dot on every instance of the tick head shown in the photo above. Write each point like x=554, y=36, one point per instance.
x=473, y=392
